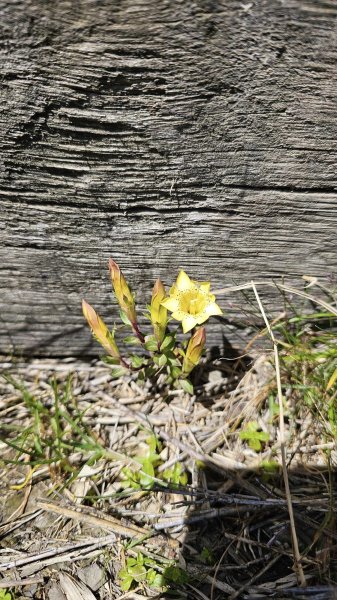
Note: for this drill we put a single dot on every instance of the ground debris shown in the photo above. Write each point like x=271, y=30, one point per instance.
x=213, y=507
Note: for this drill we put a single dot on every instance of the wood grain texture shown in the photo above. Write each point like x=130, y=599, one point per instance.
x=197, y=134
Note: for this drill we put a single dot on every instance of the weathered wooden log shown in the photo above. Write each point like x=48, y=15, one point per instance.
x=196, y=134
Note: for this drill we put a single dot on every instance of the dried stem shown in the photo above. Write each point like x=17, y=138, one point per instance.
x=281, y=286
x=297, y=556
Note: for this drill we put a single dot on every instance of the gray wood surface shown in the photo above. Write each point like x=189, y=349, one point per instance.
x=176, y=133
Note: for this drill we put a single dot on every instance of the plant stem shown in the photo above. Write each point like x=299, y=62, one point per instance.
x=124, y=363
x=137, y=332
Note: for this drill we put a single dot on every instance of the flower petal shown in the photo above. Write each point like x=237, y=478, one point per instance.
x=205, y=287
x=202, y=317
x=213, y=309
x=173, y=290
x=188, y=322
x=171, y=303
x=178, y=315
x=183, y=282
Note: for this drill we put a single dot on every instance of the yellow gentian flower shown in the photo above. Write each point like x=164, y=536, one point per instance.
x=100, y=330
x=158, y=312
x=122, y=292
x=194, y=350
x=191, y=302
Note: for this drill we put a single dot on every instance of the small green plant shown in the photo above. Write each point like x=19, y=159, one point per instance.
x=309, y=366
x=139, y=570
x=176, y=575
x=274, y=409
x=269, y=467
x=142, y=570
x=56, y=431
x=4, y=595
x=254, y=436
x=148, y=460
x=206, y=556
x=175, y=475
x=190, y=302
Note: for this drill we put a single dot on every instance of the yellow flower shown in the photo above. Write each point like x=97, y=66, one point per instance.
x=194, y=350
x=122, y=291
x=157, y=311
x=191, y=302
x=100, y=330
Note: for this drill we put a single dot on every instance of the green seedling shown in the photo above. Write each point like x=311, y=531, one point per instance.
x=175, y=475
x=206, y=556
x=254, y=436
x=144, y=477
x=176, y=575
x=139, y=570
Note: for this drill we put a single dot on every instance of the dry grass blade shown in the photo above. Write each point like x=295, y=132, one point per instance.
x=297, y=556
x=11, y=583
x=61, y=554
x=246, y=286
x=106, y=522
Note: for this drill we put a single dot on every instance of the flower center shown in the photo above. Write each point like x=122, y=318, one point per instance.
x=193, y=301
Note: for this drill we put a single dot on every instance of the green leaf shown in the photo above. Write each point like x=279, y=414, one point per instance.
x=138, y=573
x=254, y=444
x=253, y=436
x=117, y=372
x=141, y=375
x=152, y=443
x=126, y=581
x=167, y=344
x=109, y=360
x=186, y=385
x=149, y=562
x=263, y=436
x=176, y=575
x=162, y=360
x=207, y=556
x=175, y=475
x=151, y=343
x=172, y=361
x=154, y=579
x=131, y=339
x=269, y=466
x=146, y=477
x=137, y=361
x=124, y=318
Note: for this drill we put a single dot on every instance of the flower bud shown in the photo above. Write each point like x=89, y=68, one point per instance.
x=194, y=350
x=158, y=312
x=122, y=292
x=100, y=330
